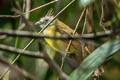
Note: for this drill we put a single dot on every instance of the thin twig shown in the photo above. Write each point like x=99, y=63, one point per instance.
x=26, y=8
x=25, y=20
x=70, y=42
x=15, y=16
x=83, y=44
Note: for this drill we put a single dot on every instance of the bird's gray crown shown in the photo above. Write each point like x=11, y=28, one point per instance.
x=44, y=21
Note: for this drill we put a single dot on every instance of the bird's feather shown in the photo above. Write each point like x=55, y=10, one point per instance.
x=64, y=29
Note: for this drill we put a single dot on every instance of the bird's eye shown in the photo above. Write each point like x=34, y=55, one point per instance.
x=46, y=20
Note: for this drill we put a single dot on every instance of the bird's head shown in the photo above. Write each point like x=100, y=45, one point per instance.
x=44, y=21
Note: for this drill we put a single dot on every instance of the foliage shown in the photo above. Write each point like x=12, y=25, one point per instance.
x=100, y=15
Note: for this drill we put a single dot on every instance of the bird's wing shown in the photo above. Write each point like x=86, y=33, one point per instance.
x=64, y=29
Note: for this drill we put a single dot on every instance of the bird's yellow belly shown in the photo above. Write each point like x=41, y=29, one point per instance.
x=58, y=45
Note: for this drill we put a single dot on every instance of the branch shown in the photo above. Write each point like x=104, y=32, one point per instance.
x=35, y=54
x=18, y=70
x=20, y=51
x=35, y=35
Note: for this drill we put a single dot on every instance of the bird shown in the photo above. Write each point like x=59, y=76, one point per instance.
x=58, y=28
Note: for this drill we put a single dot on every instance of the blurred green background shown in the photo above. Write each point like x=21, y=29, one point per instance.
x=38, y=67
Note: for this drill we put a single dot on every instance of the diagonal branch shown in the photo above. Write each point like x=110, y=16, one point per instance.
x=18, y=70
x=53, y=65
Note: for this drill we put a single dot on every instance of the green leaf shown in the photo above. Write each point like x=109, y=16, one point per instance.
x=95, y=59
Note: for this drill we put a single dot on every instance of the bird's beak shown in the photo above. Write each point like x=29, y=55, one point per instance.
x=38, y=23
